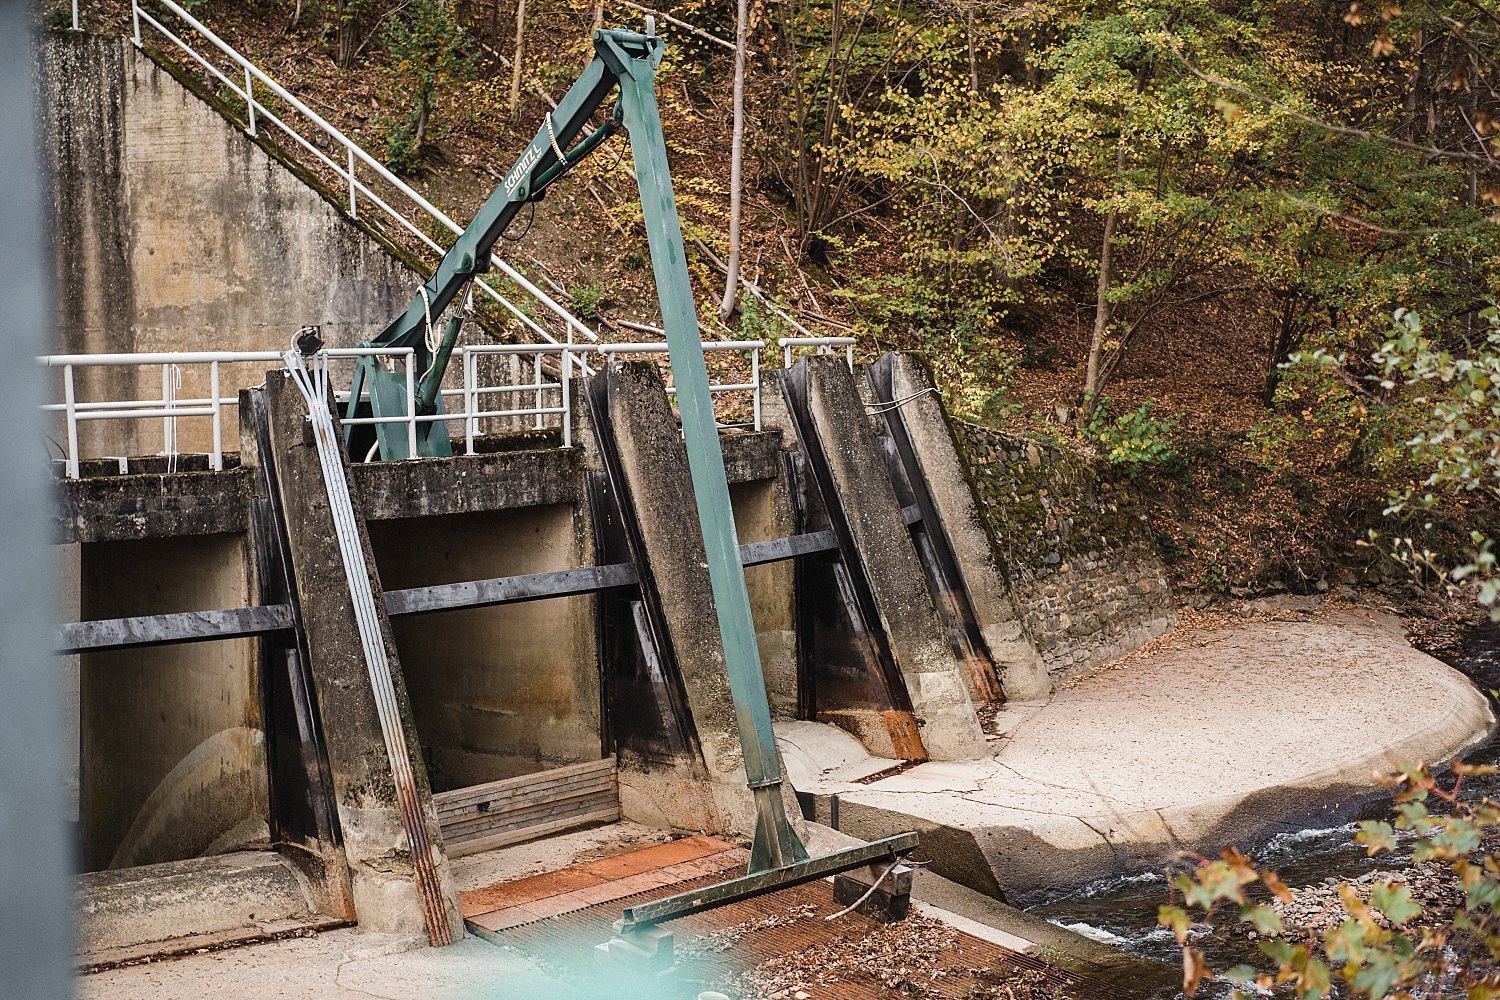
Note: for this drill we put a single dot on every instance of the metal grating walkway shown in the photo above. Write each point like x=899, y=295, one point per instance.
x=775, y=945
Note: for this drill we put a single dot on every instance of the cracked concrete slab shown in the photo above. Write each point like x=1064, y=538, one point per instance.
x=1216, y=737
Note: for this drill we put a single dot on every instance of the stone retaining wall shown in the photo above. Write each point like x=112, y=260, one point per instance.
x=1084, y=569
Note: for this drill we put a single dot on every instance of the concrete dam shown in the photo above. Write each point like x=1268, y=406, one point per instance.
x=254, y=759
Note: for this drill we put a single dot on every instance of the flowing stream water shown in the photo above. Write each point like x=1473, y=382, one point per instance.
x=1121, y=911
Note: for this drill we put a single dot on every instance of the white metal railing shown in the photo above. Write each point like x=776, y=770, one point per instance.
x=820, y=345
x=345, y=166
x=168, y=407
x=610, y=352
x=542, y=390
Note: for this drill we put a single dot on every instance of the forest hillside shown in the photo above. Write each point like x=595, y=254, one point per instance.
x=1245, y=252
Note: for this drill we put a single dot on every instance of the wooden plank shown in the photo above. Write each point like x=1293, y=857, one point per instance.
x=509, y=589
x=505, y=839
x=516, y=797
x=159, y=630
x=522, y=805
x=489, y=789
x=531, y=815
x=777, y=549
x=519, y=801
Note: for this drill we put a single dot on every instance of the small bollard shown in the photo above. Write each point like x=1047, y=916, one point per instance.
x=889, y=901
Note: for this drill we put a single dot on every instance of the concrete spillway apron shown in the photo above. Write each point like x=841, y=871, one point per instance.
x=314, y=388
x=777, y=857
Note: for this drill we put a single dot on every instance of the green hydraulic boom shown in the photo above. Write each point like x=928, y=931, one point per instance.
x=628, y=61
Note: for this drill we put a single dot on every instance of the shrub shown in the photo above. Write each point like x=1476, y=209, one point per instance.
x=1388, y=945
x=1136, y=440
x=588, y=297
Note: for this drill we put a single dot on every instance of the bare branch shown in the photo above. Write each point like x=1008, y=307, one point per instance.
x=681, y=24
x=1327, y=126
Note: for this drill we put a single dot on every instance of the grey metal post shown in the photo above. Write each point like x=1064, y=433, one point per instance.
x=35, y=935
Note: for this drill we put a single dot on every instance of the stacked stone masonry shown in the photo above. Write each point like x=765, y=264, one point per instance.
x=1074, y=543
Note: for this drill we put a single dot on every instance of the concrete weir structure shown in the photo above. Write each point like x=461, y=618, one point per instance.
x=498, y=684
x=291, y=757
x=256, y=755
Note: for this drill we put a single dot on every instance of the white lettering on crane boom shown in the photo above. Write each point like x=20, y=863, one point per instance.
x=523, y=166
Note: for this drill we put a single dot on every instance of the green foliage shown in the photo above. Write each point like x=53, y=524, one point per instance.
x=1438, y=411
x=58, y=18
x=588, y=297
x=1384, y=944
x=977, y=154
x=756, y=322
x=1137, y=439
x=401, y=153
x=428, y=50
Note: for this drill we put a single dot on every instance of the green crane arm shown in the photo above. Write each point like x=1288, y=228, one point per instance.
x=628, y=61
x=544, y=160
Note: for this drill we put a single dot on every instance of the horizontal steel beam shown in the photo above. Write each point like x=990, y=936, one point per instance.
x=159, y=630
x=238, y=623
x=776, y=549
x=734, y=890
x=509, y=589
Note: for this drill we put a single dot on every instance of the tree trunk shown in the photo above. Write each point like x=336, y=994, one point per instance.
x=736, y=163
x=515, y=68
x=973, y=62
x=346, y=37
x=1282, y=342
x=424, y=111
x=1103, y=311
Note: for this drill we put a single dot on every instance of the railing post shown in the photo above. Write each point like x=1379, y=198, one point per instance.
x=250, y=99
x=353, y=211
x=411, y=405
x=567, y=398
x=69, y=398
x=536, y=377
x=755, y=378
x=75, y=16
x=135, y=19
x=168, y=445
x=216, y=460
x=469, y=407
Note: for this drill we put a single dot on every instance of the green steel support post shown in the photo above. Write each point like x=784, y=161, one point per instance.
x=776, y=844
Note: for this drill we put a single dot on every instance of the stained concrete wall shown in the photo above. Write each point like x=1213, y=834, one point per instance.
x=763, y=511
x=841, y=429
x=1084, y=569
x=654, y=468
x=500, y=691
x=384, y=874
x=173, y=231
x=172, y=753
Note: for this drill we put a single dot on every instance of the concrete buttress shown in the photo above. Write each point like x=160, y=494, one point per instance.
x=1023, y=675
x=654, y=466
x=935, y=681
x=382, y=875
